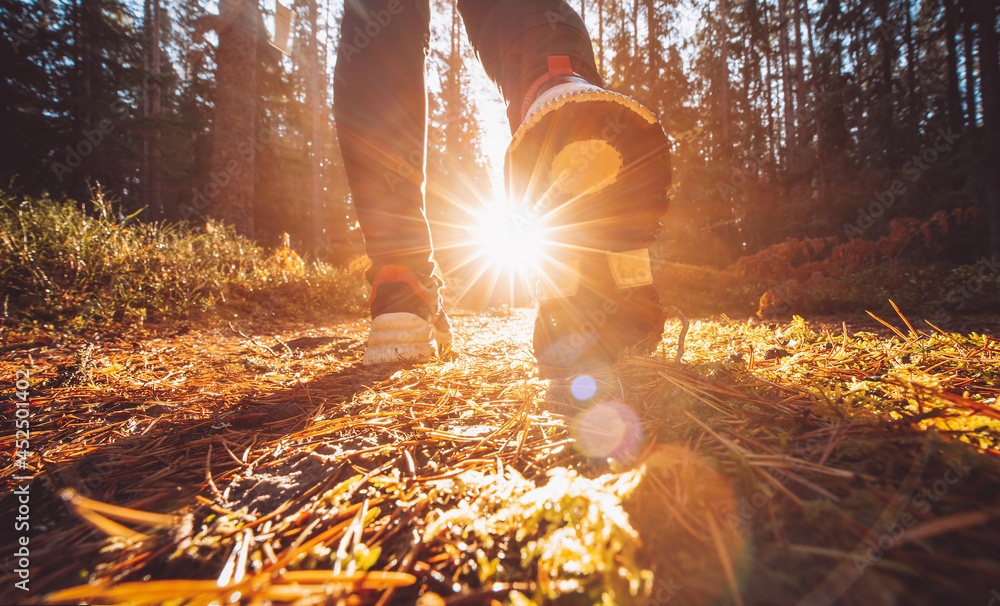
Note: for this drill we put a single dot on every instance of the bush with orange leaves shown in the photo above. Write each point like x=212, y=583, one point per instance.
x=827, y=275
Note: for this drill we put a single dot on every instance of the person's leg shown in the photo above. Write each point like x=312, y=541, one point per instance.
x=380, y=106
x=514, y=39
x=593, y=166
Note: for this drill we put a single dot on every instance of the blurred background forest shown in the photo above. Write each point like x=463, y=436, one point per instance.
x=818, y=144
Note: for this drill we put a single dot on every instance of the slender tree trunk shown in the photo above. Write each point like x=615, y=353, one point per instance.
x=724, y=81
x=817, y=123
x=954, y=101
x=157, y=116
x=772, y=129
x=317, y=101
x=452, y=96
x=789, y=103
x=832, y=116
x=800, y=82
x=152, y=184
x=86, y=66
x=885, y=110
x=235, y=117
x=969, y=39
x=600, y=37
x=147, y=144
x=635, y=29
x=87, y=88
x=911, y=70
x=989, y=64
x=812, y=47
x=652, y=41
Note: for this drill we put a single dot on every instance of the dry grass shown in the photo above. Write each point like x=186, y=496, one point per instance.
x=207, y=467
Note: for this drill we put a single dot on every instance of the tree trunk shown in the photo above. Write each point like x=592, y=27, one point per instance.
x=800, y=83
x=452, y=93
x=789, y=103
x=884, y=103
x=635, y=29
x=152, y=183
x=231, y=190
x=652, y=42
x=989, y=64
x=969, y=39
x=600, y=37
x=772, y=128
x=315, y=213
x=85, y=67
x=817, y=123
x=954, y=101
x=911, y=71
x=724, y=80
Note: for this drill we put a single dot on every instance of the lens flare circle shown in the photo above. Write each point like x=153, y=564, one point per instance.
x=583, y=387
x=608, y=430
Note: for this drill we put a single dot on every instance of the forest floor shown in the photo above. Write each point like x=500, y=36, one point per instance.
x=822, y=462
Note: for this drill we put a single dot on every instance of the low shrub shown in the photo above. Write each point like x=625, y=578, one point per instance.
x=65, y=266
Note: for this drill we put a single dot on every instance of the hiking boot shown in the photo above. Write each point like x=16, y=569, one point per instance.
x=408, y=319
x=597, y=321
x=593, y=167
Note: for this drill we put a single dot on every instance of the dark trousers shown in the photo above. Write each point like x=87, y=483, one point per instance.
x=380, y=101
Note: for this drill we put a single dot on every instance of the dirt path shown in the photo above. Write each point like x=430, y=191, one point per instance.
x=243, y=456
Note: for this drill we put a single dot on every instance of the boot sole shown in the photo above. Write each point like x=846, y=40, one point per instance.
x=586, y=192
x=403, y=337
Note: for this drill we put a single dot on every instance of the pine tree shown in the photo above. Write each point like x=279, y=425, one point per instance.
x=235, y=133
x=33, y=126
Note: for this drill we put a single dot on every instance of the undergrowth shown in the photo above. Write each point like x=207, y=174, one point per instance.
x=834, y=276
x=72, y=269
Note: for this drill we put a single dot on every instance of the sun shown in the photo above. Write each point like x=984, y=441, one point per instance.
x=507, y=250
x=507, y=240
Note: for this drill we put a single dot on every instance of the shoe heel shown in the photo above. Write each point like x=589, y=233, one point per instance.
x=400, y=337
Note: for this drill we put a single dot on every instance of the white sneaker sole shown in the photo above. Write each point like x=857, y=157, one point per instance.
x=403, y=337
